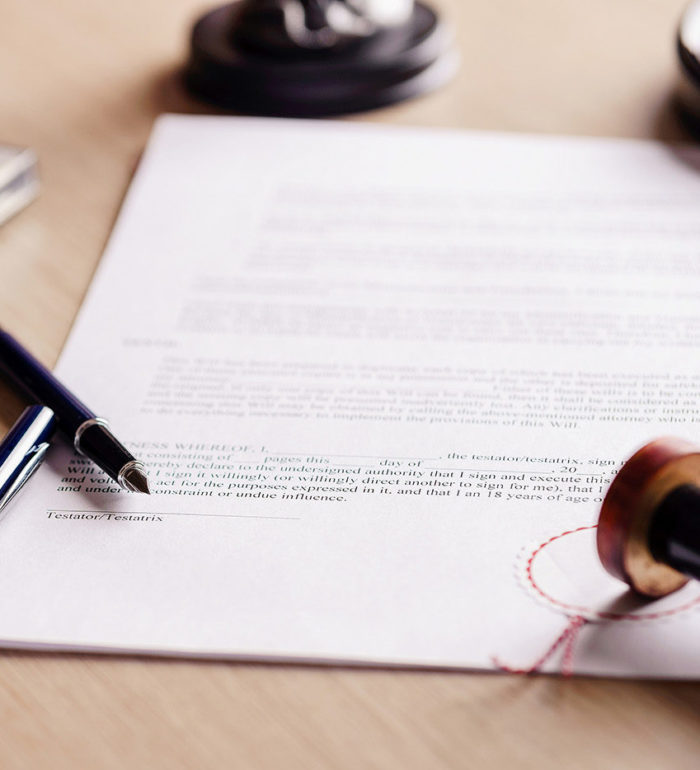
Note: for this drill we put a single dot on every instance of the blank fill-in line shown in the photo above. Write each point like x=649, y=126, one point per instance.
x=172, y=513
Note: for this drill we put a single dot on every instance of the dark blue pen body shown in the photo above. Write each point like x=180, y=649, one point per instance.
x=88, y=434
x=34, y=379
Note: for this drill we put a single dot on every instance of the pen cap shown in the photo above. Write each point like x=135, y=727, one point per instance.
x=23, y=449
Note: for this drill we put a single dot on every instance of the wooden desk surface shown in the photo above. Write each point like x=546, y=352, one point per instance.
x=82, y=81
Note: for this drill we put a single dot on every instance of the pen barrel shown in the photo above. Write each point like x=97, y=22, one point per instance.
x=34, y=379
x=88, y=434
x=674, y=531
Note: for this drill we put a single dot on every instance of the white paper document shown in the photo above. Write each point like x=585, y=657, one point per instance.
x=381, y=378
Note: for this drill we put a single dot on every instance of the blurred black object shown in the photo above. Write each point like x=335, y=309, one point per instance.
x=309, y=58
x=689, y=55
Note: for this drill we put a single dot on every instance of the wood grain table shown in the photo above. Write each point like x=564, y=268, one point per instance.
x=81, y=82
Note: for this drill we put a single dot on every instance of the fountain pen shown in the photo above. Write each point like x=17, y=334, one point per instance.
x=90, y=435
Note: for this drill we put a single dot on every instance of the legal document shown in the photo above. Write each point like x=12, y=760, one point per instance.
x=381, y=379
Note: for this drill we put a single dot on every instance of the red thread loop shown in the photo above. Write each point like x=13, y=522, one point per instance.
x=567, y=638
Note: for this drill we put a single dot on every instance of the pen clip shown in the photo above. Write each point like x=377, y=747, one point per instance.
x=33, y=460
x=23, y=449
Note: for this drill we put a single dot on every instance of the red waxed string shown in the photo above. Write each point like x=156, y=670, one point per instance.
x=567, y=637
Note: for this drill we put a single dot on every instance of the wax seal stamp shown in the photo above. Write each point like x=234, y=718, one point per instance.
x=649, y=526
x=307, y=58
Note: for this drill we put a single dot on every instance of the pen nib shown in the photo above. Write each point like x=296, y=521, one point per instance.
x=134, y=479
